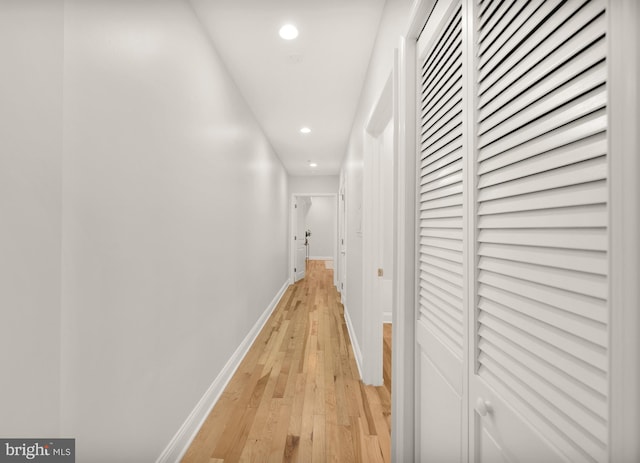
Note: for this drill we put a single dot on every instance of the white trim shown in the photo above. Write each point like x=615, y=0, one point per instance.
x=380, y=116
x=387, y=317
x=180, y=442
x=470, y=271
x=357, y=352
x=292, y=242
x=320, y=258
x=341, y=248
x=403, y=351
x=624, y=118
x=420, y=12
x=403, y=373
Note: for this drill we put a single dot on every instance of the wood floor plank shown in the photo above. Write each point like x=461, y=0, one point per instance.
x=356, y=439
x=379, y=422
x=318, y=406
x=297, y=395
x=295, y=423
x=262, y=446
x=279, y=438
x=386, y=335
x=232, y=442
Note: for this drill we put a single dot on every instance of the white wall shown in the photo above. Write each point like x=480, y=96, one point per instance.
x=321, y=220
x=392, y=27
x=31, y=47
x=313, y=184
x=163, y=160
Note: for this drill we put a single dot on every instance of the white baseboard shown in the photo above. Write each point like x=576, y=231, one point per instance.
x=320, y=258
x=187, y=432
x=387, y=317
x=354, y=341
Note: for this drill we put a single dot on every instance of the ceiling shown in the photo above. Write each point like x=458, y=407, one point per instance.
x=314, y=80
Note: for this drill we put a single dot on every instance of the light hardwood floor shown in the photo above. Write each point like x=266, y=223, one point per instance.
x=297, y=394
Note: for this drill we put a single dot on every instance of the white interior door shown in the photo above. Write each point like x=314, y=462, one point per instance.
x=300, y=208
x=440, y=324
x=539, y=379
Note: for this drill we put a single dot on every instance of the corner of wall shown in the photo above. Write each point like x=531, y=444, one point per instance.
x=181, y=441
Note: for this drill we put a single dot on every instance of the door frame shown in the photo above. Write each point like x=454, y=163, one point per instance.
x=403, y=399
x=341, y=268
x=292, y=231
x=624, y=145
x=381, y=114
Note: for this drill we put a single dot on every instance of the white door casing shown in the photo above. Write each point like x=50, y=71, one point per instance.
x=624, y=145
x=342, y=242
x=385, y=214
x=381, y=116
x=403, y=418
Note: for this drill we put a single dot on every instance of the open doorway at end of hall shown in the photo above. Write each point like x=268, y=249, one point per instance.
x=314, y=232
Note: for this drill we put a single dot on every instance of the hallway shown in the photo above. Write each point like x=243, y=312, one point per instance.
x=481, y=161
x=297, y=394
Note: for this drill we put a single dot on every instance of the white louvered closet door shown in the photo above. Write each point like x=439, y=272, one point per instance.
x=540, y=338
x=441, y=170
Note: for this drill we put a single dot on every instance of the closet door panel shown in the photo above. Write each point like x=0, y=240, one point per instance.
x=440, y=321
x=540, y=337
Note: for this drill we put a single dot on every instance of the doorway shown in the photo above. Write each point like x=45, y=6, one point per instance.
x=314, y=232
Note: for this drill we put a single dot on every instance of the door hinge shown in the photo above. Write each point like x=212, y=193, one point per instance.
x=380, y=272
x=295, y=269
x=295, y=237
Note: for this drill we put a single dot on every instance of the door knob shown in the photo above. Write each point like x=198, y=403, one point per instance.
x=483, y=407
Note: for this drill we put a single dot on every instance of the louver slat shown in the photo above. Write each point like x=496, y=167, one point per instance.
x=542, y=217
x=518, y=13
x=441, y=186
x=594, y=239
x=552, y=41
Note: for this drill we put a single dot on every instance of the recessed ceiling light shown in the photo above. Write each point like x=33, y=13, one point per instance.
x=305, y=130
x=313, y=164
x=288, y=32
